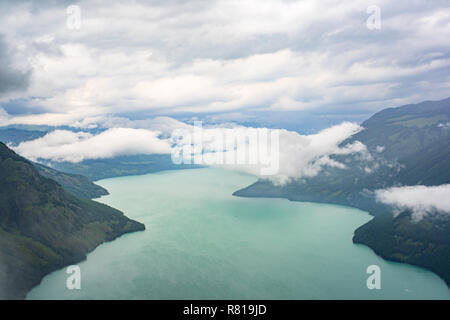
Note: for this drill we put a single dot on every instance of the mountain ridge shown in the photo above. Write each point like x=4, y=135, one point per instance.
x=408, y=145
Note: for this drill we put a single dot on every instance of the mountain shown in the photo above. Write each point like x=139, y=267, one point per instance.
x=408, y=145
x=75, y=184
x=15, y=136
x=97, y=169
x=425, y=243
x=44, y=228
x=74, y=180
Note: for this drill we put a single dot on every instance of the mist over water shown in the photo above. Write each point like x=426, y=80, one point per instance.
x=203, y=243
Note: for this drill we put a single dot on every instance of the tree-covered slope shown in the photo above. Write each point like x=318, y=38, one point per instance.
x=407, y=146
x=403, y=130
x=72, y=175
x=43, y=228
x=75, y=184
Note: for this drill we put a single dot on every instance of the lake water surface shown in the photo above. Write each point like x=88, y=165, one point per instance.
x=203, y=243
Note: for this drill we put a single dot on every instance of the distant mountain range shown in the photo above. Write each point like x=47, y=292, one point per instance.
x=43, y=227
x=408, y=145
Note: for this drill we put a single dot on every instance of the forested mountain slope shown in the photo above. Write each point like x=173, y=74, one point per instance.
x=43, y=228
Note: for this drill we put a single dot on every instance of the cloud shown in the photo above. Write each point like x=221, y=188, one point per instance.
x=444, y=125
x=63, y=145
x=226, y=56
x=422, y=200
x=4, y=117
x=290, y=156
x=164, y=125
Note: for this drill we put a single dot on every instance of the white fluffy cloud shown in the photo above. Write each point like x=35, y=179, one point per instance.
x=444, y=125
x=306, y=155
x=63, y=145
x=271, y=153
x=296, y=155
x=164, y=125
x=422, y=200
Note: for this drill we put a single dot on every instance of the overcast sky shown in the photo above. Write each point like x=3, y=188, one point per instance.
x=225, y=60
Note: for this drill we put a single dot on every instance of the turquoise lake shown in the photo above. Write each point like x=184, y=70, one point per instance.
x=203, y=243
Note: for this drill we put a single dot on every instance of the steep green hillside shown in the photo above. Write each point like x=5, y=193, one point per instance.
x=409, y=145
x=98, y=169
x=425, y=244
x=76, y=184
x=43, y=228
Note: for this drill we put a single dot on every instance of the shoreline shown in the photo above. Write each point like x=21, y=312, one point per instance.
x=376, y=252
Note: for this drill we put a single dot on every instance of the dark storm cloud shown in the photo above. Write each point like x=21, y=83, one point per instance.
x=11, y=79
